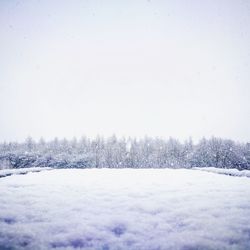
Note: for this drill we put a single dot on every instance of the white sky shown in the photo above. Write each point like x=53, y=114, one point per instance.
x=134, y=68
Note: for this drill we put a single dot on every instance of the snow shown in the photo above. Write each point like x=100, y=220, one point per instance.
x=124, y=209
x=232, y=171
x=8, y=172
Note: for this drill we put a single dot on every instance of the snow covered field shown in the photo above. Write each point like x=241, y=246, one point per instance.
x=124, y=209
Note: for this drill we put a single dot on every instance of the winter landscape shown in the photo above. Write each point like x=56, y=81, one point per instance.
x=124, y=125
x=124, y=194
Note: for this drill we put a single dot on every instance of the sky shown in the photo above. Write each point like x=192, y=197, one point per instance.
x=130, y=68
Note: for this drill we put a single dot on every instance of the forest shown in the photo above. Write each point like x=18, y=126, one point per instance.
x=113, y=152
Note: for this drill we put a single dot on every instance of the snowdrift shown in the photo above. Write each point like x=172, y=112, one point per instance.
x=8, y=172
x=232, y=172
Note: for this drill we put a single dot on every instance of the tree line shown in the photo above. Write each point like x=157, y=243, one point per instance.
x=116, y=152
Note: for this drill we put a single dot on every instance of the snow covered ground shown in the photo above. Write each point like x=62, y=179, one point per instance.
x=124, y=209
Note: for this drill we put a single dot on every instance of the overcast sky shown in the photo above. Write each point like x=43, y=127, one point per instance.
x=133, y=68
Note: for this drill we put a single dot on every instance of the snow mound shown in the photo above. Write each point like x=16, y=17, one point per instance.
x=110, y=209
x=232, y=171
x=8, y=172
